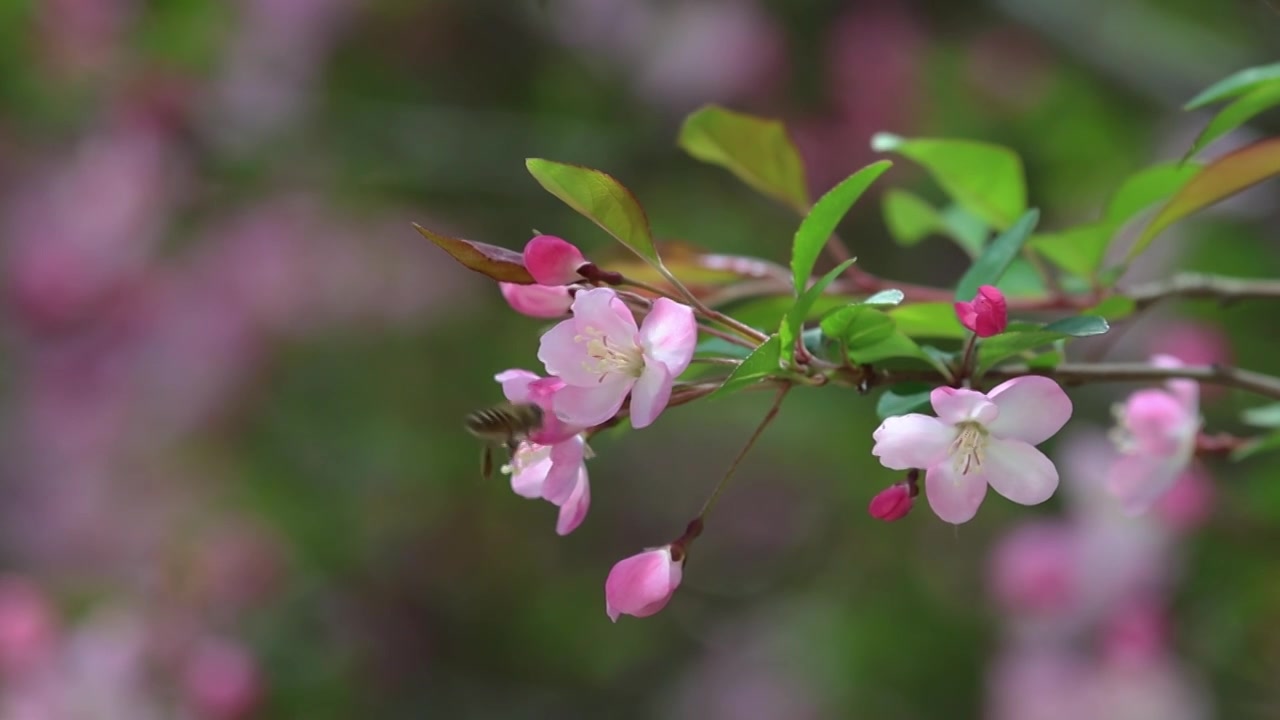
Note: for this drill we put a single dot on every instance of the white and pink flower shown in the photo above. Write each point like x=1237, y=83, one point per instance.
x=1156, y=436
x=602, y=356
x=978, y=440
x=551, y=465
x=643, y=584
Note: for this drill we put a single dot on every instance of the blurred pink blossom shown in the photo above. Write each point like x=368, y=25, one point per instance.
x=27, y=627
x=1156, y=436
x=221, y=680
x=1036, y=570
x=83, y=36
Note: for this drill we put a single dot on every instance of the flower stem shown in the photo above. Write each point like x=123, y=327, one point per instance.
x=966, y=362
x=728, y=475
x=700, y=307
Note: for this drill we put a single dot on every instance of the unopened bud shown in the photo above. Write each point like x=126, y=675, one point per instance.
x=987, y=314
x=892, y=503
x=552, y=260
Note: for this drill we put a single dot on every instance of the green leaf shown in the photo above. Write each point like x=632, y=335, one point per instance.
x=495, y=262
x=602, y=200
x=763, y=362
x=719, y=347
x=1079, y=326
x=789, y=330
x=987, y=179
x=968, y=231
x=1234, y=85
x=931, y=320
x=1115, y=307
x=821, y=222
x=892, y=296
x=1264, y=443
x=896, y=345
x=902, y=399
x=909, y=217
x=1267, y=416
x=1048, y=359
x=757, y=150
x=1001, y=347
x=857, y=326
x=1238, y=113
x=1146, y=188
x=990, y=266
x=1219, y=180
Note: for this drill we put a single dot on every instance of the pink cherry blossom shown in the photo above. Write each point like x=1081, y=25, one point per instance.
x=987, y=314
x=979, y=439
x=522, y=386
x=1156, y=435
x=540, y=301
x=553, y=261
x=555, y=473
x=643, y=584
x=1035, y=569
x=892, y=503
x=221, y=680
x=602, y=357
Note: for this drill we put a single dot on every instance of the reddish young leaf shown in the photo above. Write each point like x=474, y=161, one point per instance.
x=492, y=261
x=1219, y=180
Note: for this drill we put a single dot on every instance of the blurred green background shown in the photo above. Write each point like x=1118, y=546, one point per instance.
x=235, y=480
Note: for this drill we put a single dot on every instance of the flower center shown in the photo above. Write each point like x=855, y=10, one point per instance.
x=968, y=448
x=526, y=456
x=608, y=357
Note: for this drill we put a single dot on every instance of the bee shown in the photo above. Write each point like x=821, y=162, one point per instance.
x=507, y=424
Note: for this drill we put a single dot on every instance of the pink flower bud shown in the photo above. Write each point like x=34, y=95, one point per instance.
x=987, y=314
x=553, y=261
x=540, y=301
x=221, y=680
x=642, y=584
x=892, y=503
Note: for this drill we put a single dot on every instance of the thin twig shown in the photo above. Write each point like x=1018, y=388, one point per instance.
x=728, y=475
x=700, y=307
x=644, y=304
x=1197, y=285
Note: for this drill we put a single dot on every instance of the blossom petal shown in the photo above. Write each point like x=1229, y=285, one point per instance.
x=1032, y=409
x=574, y=509
x=515, y=384
x=537, y=301
x=1018, y=471
x=565, y=357
x=1138, y=481
x=641, y=585
x=1187, y=391
x=566, y=462
x=957, y=405
x=954, y=497
x=912, y=441
x=532, y=464
x=601, y=310
x=587, y=406
x=650, y=395
x=669, y=334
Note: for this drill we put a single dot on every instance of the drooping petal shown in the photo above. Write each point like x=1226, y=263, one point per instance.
x=574, y=509
x=539, y=301
x=1032, y=409
x=515, y=384
x=1018, y=471
x=565, y=357
x=599, y=310
x=957, y=405
x=912, y=441
x=592, y=405
x=1138, y=481
x=954, y=497
x=566, y=462
x=669, y=334
x=650, y=395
